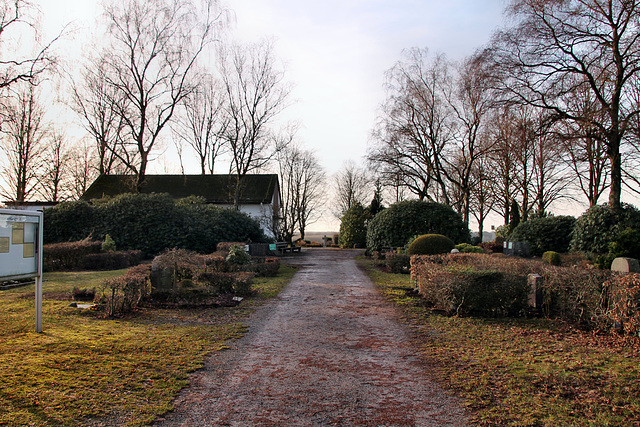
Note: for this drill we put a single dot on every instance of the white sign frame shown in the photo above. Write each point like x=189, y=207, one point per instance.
x=17, y=216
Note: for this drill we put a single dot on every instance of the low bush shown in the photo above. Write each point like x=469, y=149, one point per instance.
x=551, y=257
x=226, y=246
x=124, y=294
x=111, y=260
x=574, y=294
x=494, y=246
x=623, y=313
x=467, y=248
x=85, y=294
x=268, y=267
x=398, y=263
x=68, y=255
x=238, y=256
x=109, y=245
x=626, y=244
x=430, y=244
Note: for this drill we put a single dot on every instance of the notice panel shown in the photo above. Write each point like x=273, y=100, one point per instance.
x=18, y=238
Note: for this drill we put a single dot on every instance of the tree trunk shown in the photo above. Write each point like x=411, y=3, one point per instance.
x=615, y=192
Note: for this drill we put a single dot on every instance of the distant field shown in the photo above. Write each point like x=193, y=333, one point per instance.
x=316, y=236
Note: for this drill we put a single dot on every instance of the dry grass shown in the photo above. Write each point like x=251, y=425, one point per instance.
x=523, y=372
x=87, y=371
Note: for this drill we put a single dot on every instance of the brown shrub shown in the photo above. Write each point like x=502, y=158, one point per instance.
x=623, y=312
x=68, y=255
x=124, y=294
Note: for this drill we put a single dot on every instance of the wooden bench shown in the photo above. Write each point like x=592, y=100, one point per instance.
x=284, y=247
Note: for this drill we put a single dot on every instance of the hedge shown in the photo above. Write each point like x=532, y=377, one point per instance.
x=545, y=234
x=150, y=223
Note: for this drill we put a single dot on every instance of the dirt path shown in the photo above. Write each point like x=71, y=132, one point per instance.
x=328, y=351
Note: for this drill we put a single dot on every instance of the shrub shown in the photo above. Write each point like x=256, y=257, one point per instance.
x=396, y=224
x=69, y=255
x=124, y=294
x=84, y=294
x=455, y=288
x=226, y=246
x=626, y=244
x=494, y=246
x=623, y=313
x=111, y=260
x=551, y=257
x=573, y=294
x=431, y=244
x=109, y=245
x=353, y=227
x=398, y=263
x=545, y=234
x=151, y=223
x=68, y=222
x=466, y=248
x=237, y=256
x=599, y=226
x=267, y=268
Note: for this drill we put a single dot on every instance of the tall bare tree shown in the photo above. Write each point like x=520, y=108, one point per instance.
x=24, y=142
x=152, y=54
x=352, y=186
x=99, y=106
x=83, y=168
x=202, y=123
x=559, y=48
x=255, y=93
x=412, y=130
x=54, y=176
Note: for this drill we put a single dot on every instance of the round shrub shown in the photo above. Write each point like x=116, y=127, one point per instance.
x=431, y=244
x=598, y=227
x=395, y=225
x=551, y=257
x=545, y=234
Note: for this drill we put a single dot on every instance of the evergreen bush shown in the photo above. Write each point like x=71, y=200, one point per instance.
x=353, y=227
x=395, y=225
x=545, y=234
x=431, y=244
x=598, y=227
x=551, y=257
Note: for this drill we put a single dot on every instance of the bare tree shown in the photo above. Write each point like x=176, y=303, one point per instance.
x=152, y=53
x=17, y=19
x=472, y=101
x=559, y=48
x=255, y=94
x=203, y=124
x=99, y=106
x=352, y=186
x=412, y=130
x=483, y=195
x=23, y=143
x=311, y=179
x=55, y=169
x=83, y=169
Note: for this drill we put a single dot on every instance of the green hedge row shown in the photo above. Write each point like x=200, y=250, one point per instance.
x=150, y=223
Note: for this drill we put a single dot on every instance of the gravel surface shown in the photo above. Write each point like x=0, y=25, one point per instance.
x=328, y=351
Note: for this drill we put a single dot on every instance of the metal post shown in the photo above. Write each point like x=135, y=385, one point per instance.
x=39, y=248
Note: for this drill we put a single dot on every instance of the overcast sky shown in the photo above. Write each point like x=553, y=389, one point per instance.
x=335, y=54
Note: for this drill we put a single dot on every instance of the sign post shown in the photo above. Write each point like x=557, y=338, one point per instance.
x=21, y=236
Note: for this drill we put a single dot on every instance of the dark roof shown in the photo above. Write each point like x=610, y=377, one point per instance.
x=217, y=189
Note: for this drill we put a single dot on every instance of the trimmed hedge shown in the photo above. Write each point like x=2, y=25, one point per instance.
x=68, y=255
x=395, y=225
x=150, y=223
x=431, y=244
x=552, y=233
x=573, y=294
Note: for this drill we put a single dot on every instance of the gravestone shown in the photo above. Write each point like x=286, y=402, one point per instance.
x=625, y=265
x=535, y=290
x=516, y=249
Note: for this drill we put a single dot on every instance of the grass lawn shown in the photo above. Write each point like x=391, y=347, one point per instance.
x=523, y=372
x=83, y=370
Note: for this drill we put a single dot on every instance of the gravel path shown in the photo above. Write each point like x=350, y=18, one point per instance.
x=328, y=351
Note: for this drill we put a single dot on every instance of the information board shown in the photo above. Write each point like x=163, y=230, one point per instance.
x=21, y=250
x=18, y=240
